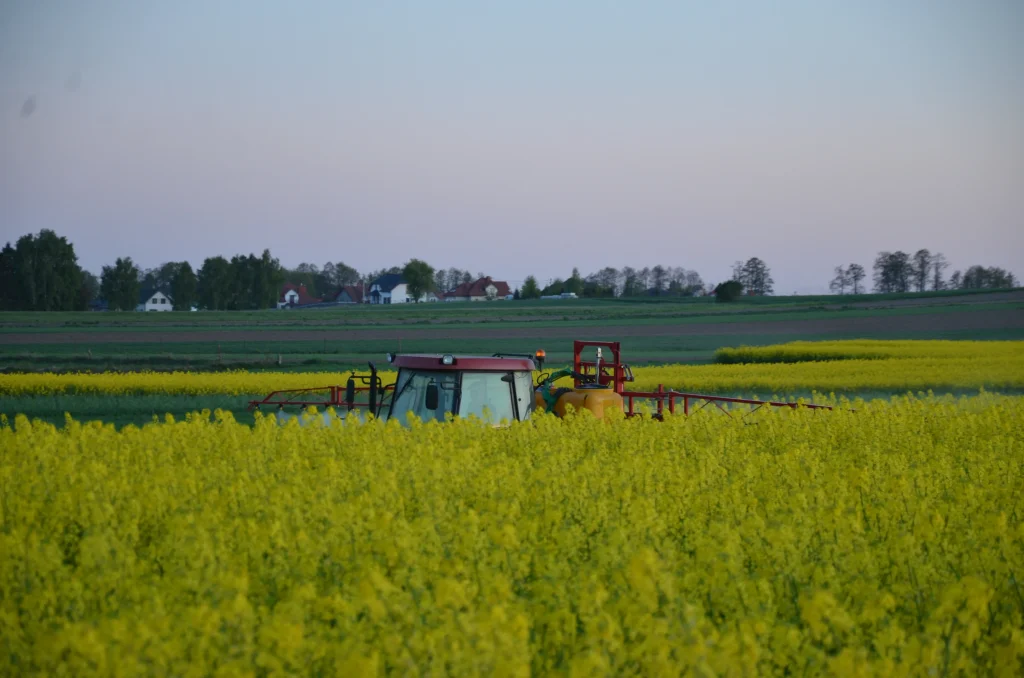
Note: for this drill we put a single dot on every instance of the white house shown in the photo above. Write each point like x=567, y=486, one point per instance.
x=155, y=300
x=293, y=295
x=391, y=289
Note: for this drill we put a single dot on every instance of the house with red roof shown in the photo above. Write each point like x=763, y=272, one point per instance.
x=349, y=294
x=293, y=295
x=483, y=289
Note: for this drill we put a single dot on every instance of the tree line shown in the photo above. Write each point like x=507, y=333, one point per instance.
x=613, y=282
x=40, y=272
x=918, y=272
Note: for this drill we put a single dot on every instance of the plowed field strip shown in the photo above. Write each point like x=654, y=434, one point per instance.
x=926, y=322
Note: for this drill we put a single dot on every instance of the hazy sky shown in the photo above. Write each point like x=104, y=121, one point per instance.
x=518, y=137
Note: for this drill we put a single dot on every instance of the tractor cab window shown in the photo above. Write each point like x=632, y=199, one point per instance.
x=411, y=395
x=487, y=395
x=524, y=394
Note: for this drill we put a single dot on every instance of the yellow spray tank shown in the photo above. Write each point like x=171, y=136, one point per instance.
x=589, y=392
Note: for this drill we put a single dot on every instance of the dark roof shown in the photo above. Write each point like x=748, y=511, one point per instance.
x=478, y=288
x=388, y=282
x=355, y=293
x=147, y=294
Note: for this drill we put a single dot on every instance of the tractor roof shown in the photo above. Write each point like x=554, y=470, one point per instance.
x=472, y=363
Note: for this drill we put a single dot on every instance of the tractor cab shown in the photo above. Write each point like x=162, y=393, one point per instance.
x=492, y=388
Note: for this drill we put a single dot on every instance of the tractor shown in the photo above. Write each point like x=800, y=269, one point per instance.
x=500, y=388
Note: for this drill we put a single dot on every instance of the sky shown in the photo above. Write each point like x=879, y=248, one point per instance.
x=518, y=138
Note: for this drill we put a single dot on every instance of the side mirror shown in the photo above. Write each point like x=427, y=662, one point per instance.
x=433, y=396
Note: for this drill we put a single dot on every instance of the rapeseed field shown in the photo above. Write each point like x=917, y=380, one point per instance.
x=885, y=541
x=824, y=367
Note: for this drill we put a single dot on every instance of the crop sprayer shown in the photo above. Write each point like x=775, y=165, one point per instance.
x=501, y=387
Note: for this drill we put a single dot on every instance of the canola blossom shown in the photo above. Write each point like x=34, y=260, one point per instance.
x=873, y=349
x=847, y=376
x=824, y=367
x=885, y=541
x=238, y=382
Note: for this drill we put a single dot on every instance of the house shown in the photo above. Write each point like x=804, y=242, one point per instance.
x=155, y=300
x=293, y=295
x=387, y=289
x=392, y=289
x=483, y=289
x=349, y=294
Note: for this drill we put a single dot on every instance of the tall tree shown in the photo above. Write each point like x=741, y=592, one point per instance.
x=575, y=283
x=757, y=277
x=345, y=275
x=601, y=284
x=329, y=277
x=643, y=277
x=45, y=273
x=441, y=280
x=120, y=285
x=9, y=285
x=89, y=290
x=658, y=276
x=454, y=278
x=893, y=272
x=631, y=286
x=855, y=272
x=268, y=278
x=530, y=289
x=183, y=288
x=939, y=264
x=214, y=284
x=954, y=281
x=840, y=282
x=693, y=282
x=921, y=267
x=419, y=278
x=975, y=278
x=607, y=279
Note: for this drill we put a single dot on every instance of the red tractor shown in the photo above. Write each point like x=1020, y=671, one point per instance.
x=500, y=388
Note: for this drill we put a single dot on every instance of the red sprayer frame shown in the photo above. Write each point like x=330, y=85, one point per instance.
x=340, y=398
x=615, y=373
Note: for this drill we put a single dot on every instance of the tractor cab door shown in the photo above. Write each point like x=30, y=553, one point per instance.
x=427, y=394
